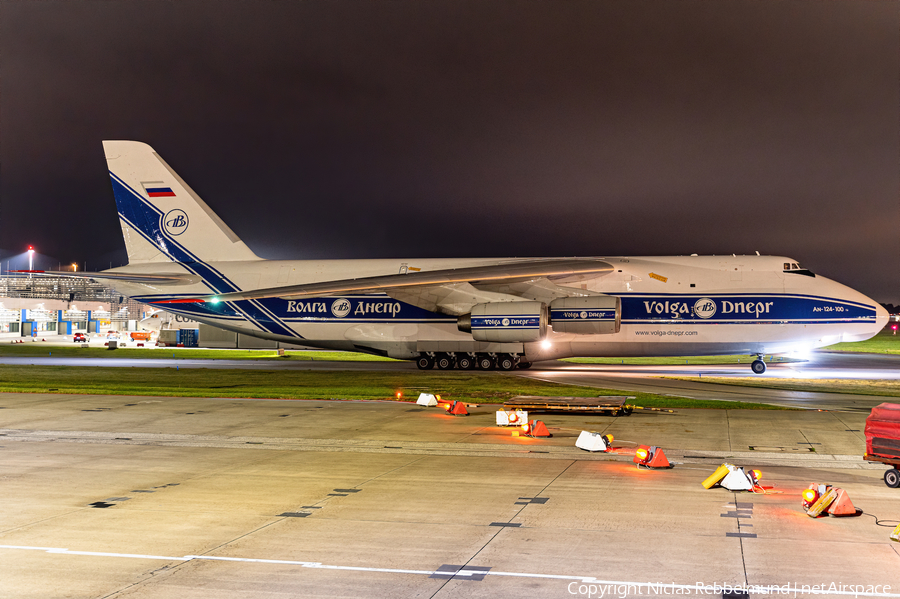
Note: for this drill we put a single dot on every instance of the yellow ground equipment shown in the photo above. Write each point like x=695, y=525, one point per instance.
x=716, y=476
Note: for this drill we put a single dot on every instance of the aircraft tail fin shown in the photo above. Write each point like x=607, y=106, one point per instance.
x=162, y=218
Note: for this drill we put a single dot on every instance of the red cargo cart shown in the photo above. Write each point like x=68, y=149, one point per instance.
x=883, y=440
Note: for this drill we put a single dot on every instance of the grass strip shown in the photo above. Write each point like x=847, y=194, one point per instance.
x=476, y=387
x=886, y=388
x=36, y=350
x=885, y=342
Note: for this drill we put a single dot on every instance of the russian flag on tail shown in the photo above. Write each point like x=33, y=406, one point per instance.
x=158, y=189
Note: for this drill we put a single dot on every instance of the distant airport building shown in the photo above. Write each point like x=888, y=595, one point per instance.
x=31, y=306
x=35, y=306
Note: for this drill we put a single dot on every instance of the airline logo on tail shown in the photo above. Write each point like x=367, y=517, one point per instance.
x=175, y=222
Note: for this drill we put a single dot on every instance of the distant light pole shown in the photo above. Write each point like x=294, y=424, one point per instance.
x=30, y=260
x=74, y=267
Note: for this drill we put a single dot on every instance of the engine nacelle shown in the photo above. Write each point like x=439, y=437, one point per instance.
x=593, y=315
x=506, y=322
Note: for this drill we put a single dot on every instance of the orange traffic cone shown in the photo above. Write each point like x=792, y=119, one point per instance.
x=537, y=428
x=459, y=409
x=841, y=506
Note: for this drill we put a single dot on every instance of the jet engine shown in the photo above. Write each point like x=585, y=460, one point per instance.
x=593, y=315
x=506, y=322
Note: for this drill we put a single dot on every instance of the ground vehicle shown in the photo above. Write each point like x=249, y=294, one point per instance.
x=80, y=338
x=883, y=440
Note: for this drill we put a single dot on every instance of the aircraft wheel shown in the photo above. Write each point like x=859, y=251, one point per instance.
x=485, y=362
x=425, y=362
x=465, y=362
x=444, y=362
x=506, y=362
x=524, y=365
x=892, y=478
x=758, y=366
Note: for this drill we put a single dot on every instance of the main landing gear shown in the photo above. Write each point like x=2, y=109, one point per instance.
x=469, y=361
x=758, y=366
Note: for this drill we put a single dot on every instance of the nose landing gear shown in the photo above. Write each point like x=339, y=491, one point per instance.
x=758, y=366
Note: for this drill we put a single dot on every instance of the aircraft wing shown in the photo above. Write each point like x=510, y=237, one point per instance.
x=156, y=278
x=565, y=269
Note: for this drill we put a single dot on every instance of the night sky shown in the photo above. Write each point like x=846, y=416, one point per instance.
x=378, y=128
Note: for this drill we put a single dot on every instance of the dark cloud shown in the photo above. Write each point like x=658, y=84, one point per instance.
x=372, y=129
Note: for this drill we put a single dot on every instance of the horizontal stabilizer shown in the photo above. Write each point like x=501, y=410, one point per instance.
x=511, y=272
x=157, y=279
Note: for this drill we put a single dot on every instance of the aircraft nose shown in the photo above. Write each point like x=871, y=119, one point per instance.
x=881, y=316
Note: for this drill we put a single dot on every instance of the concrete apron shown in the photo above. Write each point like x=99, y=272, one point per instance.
x=183, y=497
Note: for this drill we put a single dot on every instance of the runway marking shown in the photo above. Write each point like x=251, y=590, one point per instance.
x=448, y=571
x=475, y=571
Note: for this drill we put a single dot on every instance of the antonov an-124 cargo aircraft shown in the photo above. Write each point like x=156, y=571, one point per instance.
x=466, y=313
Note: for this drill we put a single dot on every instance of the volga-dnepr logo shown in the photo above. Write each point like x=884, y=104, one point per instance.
x=341, y=307
x=175, y=222
x=704, y=308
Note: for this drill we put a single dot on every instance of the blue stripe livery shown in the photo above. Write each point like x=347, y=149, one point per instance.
x=146, y=220
x=742, y=308
x=582, y=315
x=516, y=322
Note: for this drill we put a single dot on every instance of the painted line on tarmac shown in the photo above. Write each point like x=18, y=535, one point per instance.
x=590, y=580
x=423, y=448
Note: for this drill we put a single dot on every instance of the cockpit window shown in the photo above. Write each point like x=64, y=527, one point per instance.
x=794, y=268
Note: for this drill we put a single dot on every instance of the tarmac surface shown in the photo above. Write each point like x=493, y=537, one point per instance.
x=662, y=379
x=156, y=497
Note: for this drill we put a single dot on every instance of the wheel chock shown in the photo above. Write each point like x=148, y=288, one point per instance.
x=658, y=459
x=834, y=501
x=536, y=428
x=841, y=506
x=737, y=480
x=821, y=504
x=589, y=441
x=427, y=399
x=511, y=417
x=651, y=457
x=459, y=409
